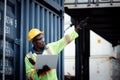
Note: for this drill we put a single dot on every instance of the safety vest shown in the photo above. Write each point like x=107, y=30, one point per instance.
x=51, y=48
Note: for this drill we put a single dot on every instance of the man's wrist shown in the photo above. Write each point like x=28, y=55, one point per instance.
x=77, y=28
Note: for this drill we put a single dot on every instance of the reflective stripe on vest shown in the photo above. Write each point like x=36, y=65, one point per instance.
x=67, y=39
x=31, y=76
x=49, y=75
x=30, y=55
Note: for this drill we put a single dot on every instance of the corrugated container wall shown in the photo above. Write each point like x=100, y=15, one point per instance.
x=21, y=16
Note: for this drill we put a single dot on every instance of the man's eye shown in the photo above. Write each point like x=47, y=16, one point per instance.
x=38, y=39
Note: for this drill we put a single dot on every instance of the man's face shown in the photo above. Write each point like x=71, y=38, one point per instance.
x=38, y=42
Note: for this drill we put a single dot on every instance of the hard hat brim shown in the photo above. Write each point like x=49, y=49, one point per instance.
x=33, y=32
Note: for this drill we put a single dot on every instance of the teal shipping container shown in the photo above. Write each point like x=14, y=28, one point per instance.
x=17, y=17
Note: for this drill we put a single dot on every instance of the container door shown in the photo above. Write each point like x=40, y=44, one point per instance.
x=100, y=62
x=8, y=42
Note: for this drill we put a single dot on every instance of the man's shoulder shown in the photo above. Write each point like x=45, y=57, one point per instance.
x=29, y=53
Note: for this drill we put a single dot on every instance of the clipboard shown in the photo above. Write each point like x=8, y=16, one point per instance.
x=49, y=60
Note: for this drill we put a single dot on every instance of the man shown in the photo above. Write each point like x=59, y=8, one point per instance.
x=39, y=47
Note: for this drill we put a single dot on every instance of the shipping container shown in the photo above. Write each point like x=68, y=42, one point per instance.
x=103, y=19
x=104, y=61
x=17, y=17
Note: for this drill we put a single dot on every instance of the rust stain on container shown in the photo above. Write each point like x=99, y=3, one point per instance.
x=99, y=41
x=98, y=72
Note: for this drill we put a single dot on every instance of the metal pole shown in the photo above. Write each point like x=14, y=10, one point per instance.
x=4, y=39
x=21, y=36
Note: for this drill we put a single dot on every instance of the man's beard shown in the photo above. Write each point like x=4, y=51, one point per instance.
x=42, y=47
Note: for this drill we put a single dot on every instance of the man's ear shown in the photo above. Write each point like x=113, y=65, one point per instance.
x=33, y=42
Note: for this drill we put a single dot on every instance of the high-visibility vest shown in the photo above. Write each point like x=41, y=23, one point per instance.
x=51, y=48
